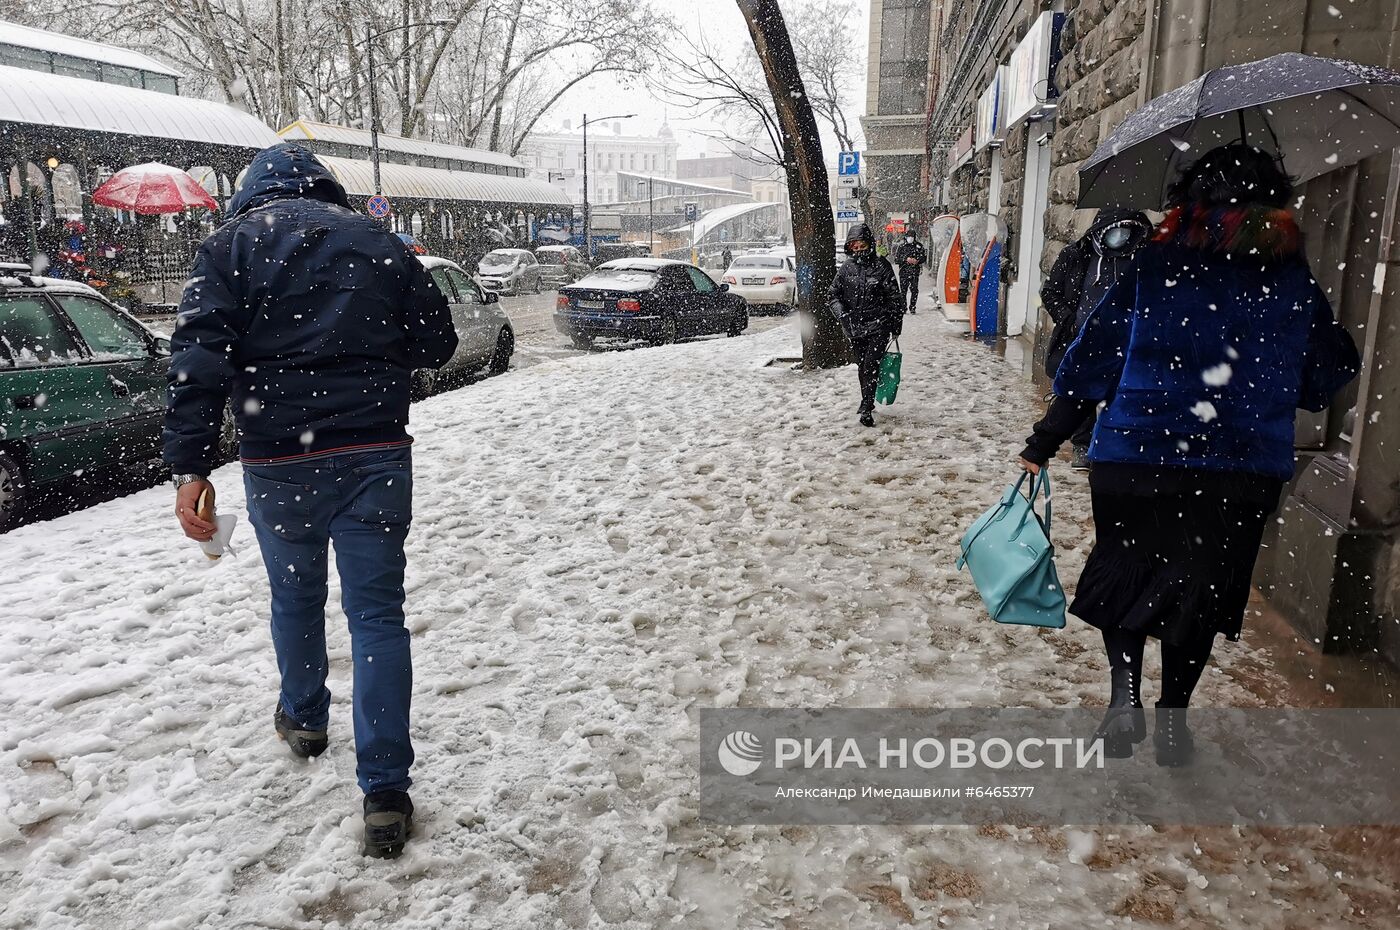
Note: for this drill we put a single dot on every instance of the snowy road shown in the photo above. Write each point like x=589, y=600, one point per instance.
x=604, y=544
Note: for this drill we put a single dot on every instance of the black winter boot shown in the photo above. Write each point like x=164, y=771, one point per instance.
x=867, y=418
x=1125, y=724
x=303, y=743
x=388, y=823
x=1172, y=737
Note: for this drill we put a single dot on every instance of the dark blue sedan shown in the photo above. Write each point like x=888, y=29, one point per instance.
x=656, y=300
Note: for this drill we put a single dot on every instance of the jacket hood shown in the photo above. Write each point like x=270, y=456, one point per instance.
x=1109, y=217
x=282, y=171
x=859, y=231
x=1137, y=224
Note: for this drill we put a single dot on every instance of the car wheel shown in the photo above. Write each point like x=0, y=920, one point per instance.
x=737, y=326
x=424, y=381
x=505, y=348
x=14, y=491
x=584, y=343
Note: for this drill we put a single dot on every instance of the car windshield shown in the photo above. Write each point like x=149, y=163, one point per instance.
x=550, y=258
x=501, y=260
x=758, y=261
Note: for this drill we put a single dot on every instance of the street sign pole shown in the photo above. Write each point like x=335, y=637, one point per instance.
x=692, y=213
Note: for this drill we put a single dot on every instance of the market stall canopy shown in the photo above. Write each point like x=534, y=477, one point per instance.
x=311, y=131
x=43, y=40
x=152, y=189
x=51, y=101
x=717, y=217
x=409, y=182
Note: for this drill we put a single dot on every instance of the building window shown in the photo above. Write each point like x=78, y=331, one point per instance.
x=904, y=41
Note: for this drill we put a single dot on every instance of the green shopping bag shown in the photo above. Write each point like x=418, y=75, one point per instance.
x=888, y=386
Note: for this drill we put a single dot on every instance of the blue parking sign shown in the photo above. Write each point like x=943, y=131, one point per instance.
x=848, y=163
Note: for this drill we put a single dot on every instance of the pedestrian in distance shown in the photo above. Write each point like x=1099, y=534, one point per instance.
x=311, y=318
x=867, y=303
x=726, y=258
x=910, y=257
x=1082, y=274
x=1202, y=350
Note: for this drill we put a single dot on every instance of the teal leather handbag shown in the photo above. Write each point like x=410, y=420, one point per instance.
x=1012, y=561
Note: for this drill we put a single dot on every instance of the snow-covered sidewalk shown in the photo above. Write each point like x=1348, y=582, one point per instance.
x=603, y=545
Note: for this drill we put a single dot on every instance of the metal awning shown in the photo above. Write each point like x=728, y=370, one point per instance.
x=59, y=43
x=54, y=101
x=717, y=217
x=309, y=130
x=413, y=182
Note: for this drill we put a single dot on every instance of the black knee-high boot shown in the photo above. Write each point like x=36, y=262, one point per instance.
x=1124, y=725
x=1182, y=666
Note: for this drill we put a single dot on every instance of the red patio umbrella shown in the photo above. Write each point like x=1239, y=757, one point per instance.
x=153, y=188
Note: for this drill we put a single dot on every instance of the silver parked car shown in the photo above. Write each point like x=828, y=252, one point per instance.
x=509, y=271
x=561, y=264
x=485, y=336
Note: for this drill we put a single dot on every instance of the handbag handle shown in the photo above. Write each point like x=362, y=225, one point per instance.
x=1039, y=486
x=895, y=340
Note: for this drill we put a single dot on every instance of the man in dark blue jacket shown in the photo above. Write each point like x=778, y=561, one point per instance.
x=311, y=318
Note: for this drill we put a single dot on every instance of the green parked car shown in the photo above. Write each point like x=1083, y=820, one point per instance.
x=82, y=386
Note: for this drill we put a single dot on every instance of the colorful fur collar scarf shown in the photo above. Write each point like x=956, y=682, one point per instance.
x=1268, y=232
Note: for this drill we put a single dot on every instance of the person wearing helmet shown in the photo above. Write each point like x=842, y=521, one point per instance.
x=866, y=301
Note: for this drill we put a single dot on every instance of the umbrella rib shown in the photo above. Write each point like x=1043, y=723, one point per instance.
x=1346, y=92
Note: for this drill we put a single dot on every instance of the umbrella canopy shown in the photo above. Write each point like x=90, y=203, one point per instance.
x=1315, y=114
x=153, y=188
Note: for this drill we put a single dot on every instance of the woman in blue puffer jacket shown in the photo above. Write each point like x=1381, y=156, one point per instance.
x=1200, y=353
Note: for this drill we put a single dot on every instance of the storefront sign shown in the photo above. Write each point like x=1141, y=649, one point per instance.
x=1030, y=85
x=961, y=152
x=990, y=128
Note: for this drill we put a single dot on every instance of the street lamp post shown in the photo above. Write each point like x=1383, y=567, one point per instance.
x=370, y=36
x=651, y=215
x=587, y=232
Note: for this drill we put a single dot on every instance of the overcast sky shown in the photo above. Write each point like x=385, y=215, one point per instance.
x=723, y=26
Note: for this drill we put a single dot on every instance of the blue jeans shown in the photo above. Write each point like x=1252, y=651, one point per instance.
x=362, y=503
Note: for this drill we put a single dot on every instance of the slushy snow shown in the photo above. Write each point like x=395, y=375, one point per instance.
x=602, y=546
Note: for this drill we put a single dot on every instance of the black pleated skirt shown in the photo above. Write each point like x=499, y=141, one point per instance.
x=1174, y=567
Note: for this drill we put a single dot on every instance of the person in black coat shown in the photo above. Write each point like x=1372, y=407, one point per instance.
x=311, y=318
x=909, y=258
x=865, y=299
x=1081, y=276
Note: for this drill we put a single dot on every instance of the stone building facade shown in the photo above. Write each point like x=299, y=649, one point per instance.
x=1332, y=560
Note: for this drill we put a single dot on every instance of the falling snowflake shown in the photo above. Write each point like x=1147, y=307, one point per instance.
x=1218, y=375
x=1205, y=410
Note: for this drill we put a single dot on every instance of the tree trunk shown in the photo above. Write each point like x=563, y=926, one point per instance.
x=824, y=345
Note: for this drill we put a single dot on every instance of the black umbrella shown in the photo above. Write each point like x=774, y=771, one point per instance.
x=1316, y=114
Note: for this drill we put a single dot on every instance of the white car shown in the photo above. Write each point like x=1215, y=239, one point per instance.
x=509, y=271
x=764, y=280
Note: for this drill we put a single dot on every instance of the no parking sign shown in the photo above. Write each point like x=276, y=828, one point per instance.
x=378, y=206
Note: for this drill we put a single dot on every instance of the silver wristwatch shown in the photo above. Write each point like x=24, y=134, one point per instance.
x=181, y=480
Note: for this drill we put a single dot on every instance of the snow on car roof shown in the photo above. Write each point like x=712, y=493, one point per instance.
x=641, y=264
x=12, y=279
x=436, y=261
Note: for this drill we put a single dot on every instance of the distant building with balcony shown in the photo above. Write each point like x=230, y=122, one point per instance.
x=557, y=158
